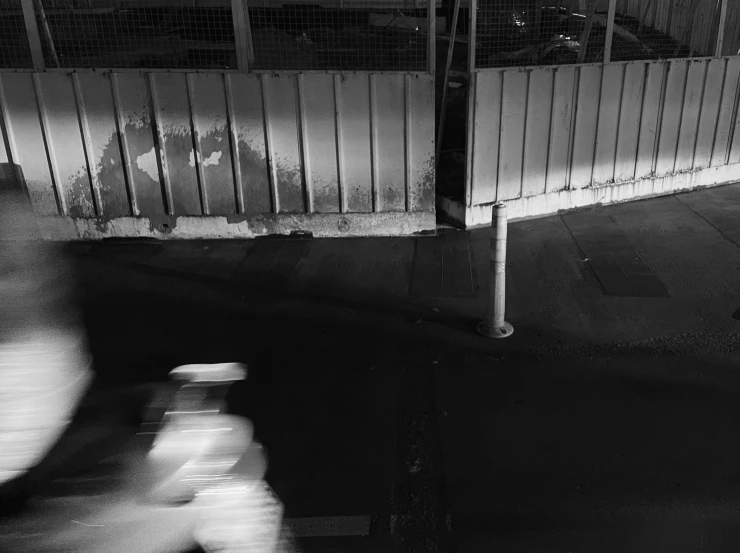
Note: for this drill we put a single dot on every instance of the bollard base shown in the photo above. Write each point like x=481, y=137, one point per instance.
x=500, y=332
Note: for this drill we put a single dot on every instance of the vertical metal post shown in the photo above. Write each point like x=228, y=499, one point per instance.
x=432, y=36
x=446, y=83
x=609, y=30
x=587, y=31
x=472, y=39
x=32, y=32
x=242, y=34
x=47, y=33
x=495, y=325
x=721, y=28
x=469, y=124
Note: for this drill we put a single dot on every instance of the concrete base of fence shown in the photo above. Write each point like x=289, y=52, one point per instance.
x=239, y=226
x=459, y=214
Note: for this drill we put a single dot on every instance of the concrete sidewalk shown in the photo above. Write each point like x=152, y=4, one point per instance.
x=607, y=417
x=626, y=271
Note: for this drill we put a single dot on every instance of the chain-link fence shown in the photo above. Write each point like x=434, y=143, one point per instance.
x=92, y=34
x=199, y=34
x=550, y=32
x=390, y=35
x=731, y=38
x=382, y=35
x=14, y=50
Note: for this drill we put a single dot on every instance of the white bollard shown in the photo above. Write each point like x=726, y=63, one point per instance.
x=494, y=325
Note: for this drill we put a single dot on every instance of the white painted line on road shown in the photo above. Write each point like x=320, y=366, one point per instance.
x=320, y=527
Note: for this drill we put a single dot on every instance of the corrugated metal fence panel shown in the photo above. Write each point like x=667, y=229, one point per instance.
x=246, y=114
x=561, y=121
x=710, y=108
x=650, y=119
x=632, y=121
x=281, y=120
x=135, y=126
x=607, y=130
x=109, y=145
x=319, y=132
x=513, y=120
x=671, y=120
x=3, y=140
x=210, y=123
x=420, y=141
x=59, y=119
x=725, y=122
x=387, y=117
x=175, y=135
x=486, y=132
x=587, y=115
x=692, y=106
x=99, y=129
x=731, y=44
x=20, y=112
x=537, y=131
x=628, y=130
x=355, y=151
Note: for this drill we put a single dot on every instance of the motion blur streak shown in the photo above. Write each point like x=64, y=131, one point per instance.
x=44, y=361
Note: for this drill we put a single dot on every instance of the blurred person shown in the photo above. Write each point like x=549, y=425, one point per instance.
x=45, y=368
x=54, y=418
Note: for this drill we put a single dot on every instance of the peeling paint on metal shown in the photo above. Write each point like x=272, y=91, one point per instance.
x=132, y=96
x=254, y=169
x=216, y=144
x=172, y=112
x=178, y=153
x=236, y=218
x=147, y=163
x=318, y=225
x=79, y=199
x=215, y=161
x=424, y=187
x=64, y=142
x=209, y=116
x=244, y=98
x=100, y=134
x=289, y=177
x=165, y=224
x=212, y=159
x=110, y=177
